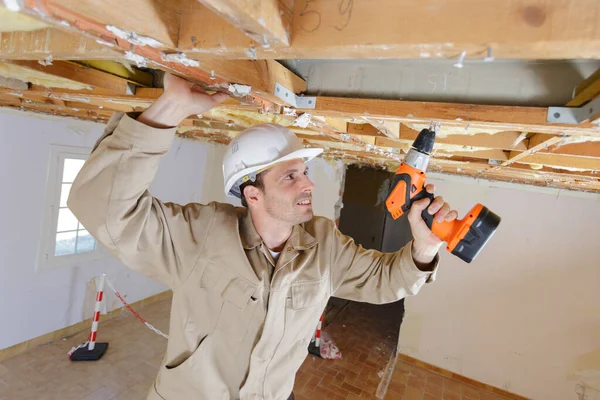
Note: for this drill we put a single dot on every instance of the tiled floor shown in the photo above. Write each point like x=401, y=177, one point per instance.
x=413, y=383
x=365, y=334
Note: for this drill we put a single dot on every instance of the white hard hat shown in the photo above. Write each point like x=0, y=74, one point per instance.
x=258, y=148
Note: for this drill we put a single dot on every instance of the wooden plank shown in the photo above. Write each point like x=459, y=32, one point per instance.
x=587, y=90
x=396, y=29
x=267, y=22
x=485, y=154
x=113, y=102
x=518, y=156
x=154, y=22
x=467, y=117
x=77, y=73
x=560, y=161
x=363, y=129
x=500, y=140
x=147, y=38
x=390, y=129
x=43, y=43
x=584, y=149
x=73, y=112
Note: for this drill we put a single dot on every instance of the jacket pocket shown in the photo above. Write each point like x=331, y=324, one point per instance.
x=309, y=294
x=193, y=358
x=238, y=291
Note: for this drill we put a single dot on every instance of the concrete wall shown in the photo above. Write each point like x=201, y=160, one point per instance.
x=33, y=302
x=525, y=315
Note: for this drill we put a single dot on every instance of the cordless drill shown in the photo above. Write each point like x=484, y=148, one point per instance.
x=466, y=237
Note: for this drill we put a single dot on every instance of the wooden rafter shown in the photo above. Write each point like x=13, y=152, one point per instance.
x=148, y=37
x=483, y=141
x=82, y=74
x=586, y=91
x=267, y=22
x=397, y=29
x=54, y=43
x=466, y=117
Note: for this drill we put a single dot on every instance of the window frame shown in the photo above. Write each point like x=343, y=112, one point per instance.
x=46, y=258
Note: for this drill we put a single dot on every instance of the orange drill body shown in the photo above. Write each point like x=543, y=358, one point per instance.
x=465, y=237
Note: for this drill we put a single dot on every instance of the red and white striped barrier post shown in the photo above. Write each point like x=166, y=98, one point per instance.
x=96, y=319
x=94, y=351
x=318, y=333
x=314, y=347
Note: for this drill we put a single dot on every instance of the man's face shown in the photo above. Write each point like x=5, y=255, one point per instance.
x=287, y=193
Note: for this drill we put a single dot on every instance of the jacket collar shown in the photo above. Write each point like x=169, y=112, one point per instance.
x=300, y=239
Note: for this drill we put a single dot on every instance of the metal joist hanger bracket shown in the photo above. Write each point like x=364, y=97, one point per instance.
x=294, y=100
x=574, y=115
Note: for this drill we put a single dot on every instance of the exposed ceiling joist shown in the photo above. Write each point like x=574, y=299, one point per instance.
x=500, y=140
x=52, y=43
x=466, y=118
x=267, y=22
x=148, y=37
x=397, y=29
x=482, y=141
x=588, y=90
x=78, y=73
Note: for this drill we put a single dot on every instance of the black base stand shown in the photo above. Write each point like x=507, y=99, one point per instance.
x=83, y=354
x=314, y=350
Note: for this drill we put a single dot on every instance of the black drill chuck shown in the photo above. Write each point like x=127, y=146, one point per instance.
x=424, y=141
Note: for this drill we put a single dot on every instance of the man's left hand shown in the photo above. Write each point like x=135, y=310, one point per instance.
x=426, y=244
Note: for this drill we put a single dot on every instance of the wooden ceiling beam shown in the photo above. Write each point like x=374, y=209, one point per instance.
x=77, y=73
x=267, y=22
x=148, y=36
x=395, y=29
x=54, y=44
x=520, y=156
x=464, y=117
x=586, y=91
x=557, y=161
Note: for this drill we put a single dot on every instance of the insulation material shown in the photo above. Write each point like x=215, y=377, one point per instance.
x=10, y=21
x=39, y=78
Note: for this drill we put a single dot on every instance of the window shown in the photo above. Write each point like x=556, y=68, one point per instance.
x=65, y=241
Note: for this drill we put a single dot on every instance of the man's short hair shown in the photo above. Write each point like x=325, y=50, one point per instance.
x=258, y=183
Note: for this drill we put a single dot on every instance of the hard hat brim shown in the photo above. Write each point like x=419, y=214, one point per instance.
x=307, y=154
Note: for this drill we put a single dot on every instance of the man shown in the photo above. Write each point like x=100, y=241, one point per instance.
x=249, y=284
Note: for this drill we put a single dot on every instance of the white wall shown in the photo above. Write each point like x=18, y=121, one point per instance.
x=32, y=302
x=525, y=315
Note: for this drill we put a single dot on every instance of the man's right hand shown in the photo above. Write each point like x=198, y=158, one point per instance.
x=179, y=100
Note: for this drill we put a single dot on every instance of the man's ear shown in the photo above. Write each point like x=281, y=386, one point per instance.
x=251, y=194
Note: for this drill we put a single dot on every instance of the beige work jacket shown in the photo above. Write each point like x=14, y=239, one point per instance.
x=240, y=326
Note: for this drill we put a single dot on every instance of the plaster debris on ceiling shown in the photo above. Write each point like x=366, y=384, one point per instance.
x=105, y=43
x=289, y=111
x=302, y=121
x=251, y=52
x=179, y=58
x=140, y=61
x=13, y=5
x=46, y=62
x=238, y=90
x=134, y=38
